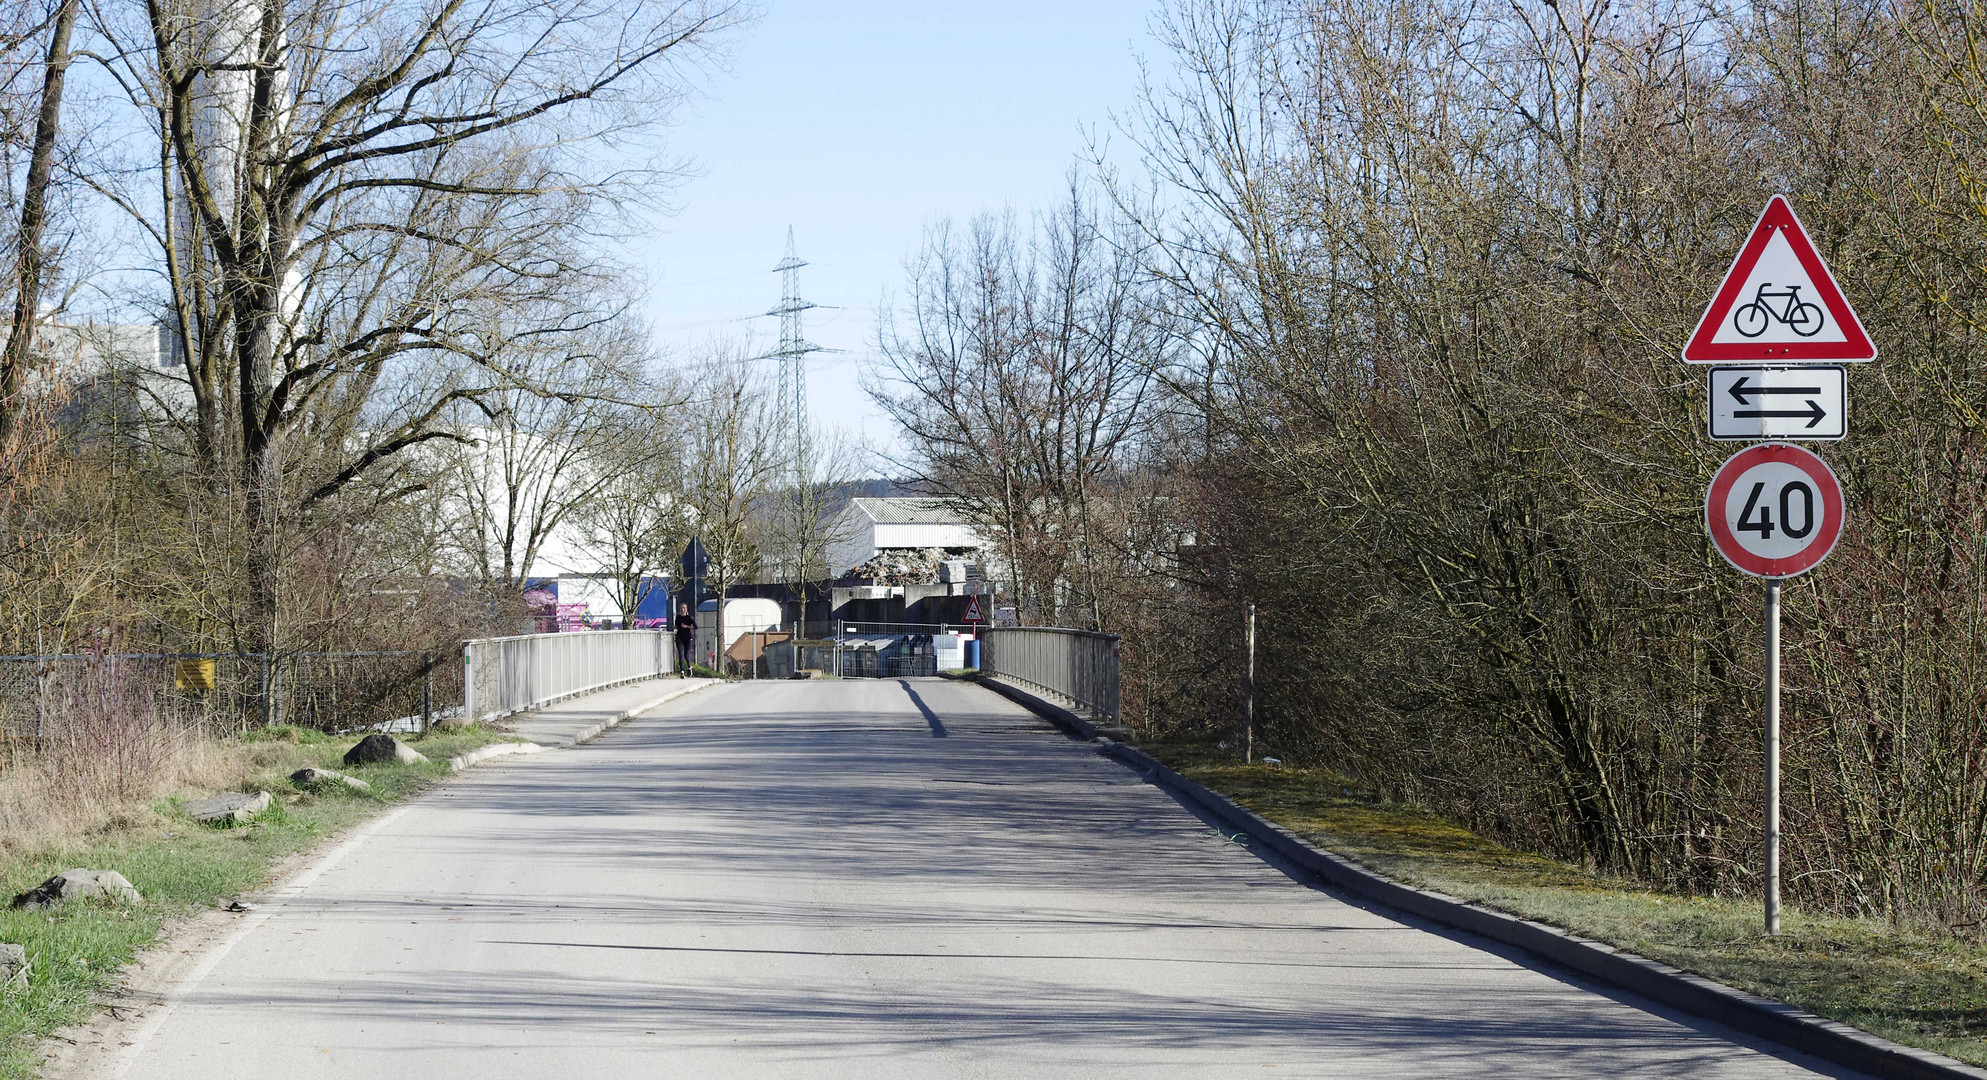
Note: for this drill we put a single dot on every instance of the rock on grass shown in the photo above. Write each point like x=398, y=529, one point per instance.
x=232, y=808
x=380, y=748
x=78, y=884
x=306, y=778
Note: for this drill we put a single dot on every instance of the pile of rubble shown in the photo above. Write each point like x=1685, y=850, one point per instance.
x=901, y=566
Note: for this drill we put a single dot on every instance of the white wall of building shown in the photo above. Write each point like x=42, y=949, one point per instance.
x=859, y=536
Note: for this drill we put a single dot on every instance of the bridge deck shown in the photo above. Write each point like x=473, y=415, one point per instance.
x=866, y=879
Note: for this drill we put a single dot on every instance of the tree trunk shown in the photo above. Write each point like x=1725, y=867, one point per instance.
x=34, y=215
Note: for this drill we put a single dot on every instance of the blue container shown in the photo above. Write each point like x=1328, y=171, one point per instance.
x=973, y=653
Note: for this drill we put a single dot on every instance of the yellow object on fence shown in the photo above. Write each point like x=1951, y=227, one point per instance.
x=194, y=675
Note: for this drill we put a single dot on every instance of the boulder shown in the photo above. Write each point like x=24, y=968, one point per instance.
x=13, y=964
x=305, y=778
x=449, y=719
x=75, y=884
x=232, y=808
x=377, y=748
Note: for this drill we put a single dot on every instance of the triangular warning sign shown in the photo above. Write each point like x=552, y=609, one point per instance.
x=1778, y=303
x=973, y=611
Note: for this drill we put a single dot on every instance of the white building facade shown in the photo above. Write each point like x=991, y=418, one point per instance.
x=868, y=527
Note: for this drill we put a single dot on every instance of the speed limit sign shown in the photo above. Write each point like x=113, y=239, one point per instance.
x=1774, y=510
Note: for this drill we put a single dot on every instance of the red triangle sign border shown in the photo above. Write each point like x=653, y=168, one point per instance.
x=1778, y=217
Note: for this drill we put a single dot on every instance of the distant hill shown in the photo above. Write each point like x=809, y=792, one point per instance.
x=873, y=488
x=878, y=489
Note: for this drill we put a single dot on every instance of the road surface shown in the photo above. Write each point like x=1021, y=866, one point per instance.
x=869, y=880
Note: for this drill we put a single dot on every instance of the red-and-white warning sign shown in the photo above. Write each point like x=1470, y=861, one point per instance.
x=973, y=612
x=1778, y=303
x=1774, y=510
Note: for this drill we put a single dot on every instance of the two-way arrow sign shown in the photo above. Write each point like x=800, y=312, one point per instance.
x=1778, y=403
x=1743, y=394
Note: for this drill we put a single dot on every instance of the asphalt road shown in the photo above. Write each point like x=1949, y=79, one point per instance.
x=871, y=880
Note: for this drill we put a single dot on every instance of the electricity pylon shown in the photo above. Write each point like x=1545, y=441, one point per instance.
x=792, y=422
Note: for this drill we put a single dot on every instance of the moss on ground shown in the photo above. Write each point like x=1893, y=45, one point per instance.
x=75, y=949
x=1921, y=985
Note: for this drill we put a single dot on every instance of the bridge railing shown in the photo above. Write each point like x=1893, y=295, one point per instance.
x=506, y=675
x=1076, y=665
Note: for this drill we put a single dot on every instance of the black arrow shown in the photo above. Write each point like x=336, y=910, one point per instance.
x=1740, y=390
x=1814, y=412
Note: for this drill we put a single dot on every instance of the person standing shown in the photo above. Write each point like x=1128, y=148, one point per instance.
x=686, y=640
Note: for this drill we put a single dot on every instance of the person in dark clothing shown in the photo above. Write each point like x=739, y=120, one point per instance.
x=686, y=640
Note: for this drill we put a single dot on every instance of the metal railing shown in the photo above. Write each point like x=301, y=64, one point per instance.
x=506, y=675
x=1076, y=665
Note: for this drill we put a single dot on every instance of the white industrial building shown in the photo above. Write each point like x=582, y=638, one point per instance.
x=79, y=355
x=866, y=527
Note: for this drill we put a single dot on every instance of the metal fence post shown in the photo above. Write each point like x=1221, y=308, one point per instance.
x=469, y=682
x=427, y=692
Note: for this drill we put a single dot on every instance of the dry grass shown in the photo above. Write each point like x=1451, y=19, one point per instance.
x=50, y=799
x=104, y=750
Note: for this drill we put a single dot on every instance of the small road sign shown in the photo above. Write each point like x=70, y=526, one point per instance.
x=973, y=613
x=1774, y=510
x=1778, y=303
x=1778, y=402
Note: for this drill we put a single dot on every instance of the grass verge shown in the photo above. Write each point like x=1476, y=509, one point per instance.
x=75, y=949
x=1922, y=986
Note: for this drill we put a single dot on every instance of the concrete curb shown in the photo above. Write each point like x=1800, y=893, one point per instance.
x=597, y=730
x=1790, y=1027
x=484, y=753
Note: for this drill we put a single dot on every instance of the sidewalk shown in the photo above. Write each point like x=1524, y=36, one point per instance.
x=576, y=720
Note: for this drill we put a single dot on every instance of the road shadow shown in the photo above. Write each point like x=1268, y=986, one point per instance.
x=931, y=718
x=970, y=816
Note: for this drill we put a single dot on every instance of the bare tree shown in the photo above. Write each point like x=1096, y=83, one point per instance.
x=524, y=473
x=350, y=188
x=30, y=258
x=799, y=525
x=1019, y=377
x=729, y=462
x=634, y=524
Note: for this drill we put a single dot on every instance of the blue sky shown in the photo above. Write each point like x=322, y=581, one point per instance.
x=858, y=124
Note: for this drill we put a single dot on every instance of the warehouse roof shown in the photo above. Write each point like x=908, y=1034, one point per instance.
x=909, y=512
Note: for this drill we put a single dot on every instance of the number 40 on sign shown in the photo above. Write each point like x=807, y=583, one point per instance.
x=1774, y=510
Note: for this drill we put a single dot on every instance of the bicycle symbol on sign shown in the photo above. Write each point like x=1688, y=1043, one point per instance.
x=1800, y=316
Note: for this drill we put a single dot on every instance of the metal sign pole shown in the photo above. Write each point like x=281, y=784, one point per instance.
x=1772, y=874
x=1249, y=725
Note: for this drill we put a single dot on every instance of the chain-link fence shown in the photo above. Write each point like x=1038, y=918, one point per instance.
x=231, y=692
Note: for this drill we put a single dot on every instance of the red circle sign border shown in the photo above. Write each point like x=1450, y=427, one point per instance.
x=1728, y=545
